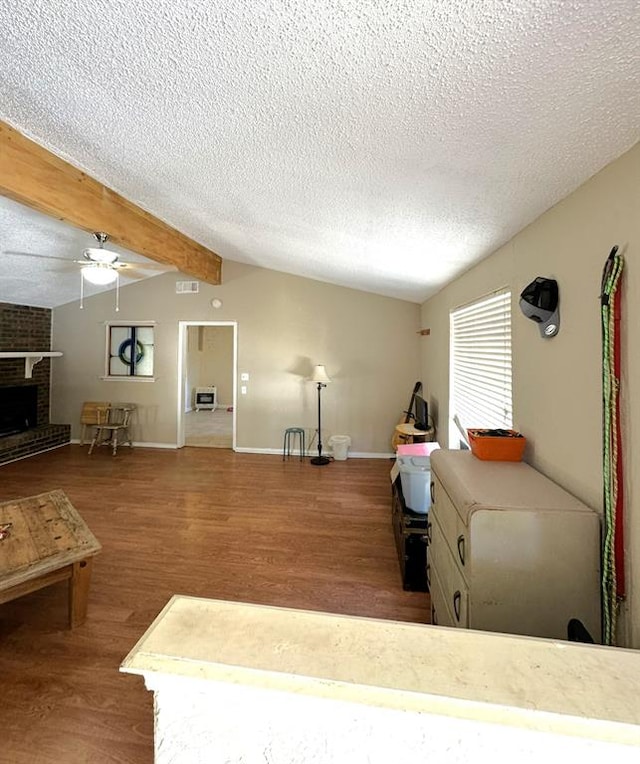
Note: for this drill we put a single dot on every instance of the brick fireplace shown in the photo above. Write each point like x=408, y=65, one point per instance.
x=26, y=328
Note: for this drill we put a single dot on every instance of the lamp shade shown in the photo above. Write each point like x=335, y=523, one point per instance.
x=99, y=274
x=320, y=374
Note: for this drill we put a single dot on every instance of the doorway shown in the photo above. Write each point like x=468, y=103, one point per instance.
x=207, y=363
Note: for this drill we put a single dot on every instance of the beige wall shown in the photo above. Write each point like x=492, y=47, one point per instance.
x=285, y=325
x=210, y=358
x=218, y=361
x=557, y=382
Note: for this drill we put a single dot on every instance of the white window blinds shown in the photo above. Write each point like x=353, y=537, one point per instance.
x=480, y=354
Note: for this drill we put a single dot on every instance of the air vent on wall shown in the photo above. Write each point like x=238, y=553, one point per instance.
x=187, y=287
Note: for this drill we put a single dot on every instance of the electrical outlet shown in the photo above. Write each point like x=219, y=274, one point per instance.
x=243, y=390
x=244, y=377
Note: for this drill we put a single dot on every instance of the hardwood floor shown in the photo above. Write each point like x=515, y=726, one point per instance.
x=204, y=522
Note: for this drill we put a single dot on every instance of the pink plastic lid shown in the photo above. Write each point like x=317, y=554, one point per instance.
x=417, y=449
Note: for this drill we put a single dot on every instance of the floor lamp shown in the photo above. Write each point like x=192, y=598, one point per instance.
x=321, y=379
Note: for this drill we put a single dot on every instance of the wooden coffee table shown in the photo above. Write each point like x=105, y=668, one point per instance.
x=47, y=542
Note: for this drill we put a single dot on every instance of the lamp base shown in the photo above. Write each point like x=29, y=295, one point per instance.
x=319, y=461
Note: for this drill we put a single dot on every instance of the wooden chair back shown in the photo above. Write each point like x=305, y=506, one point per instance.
x=93, y=413
x=120, y=414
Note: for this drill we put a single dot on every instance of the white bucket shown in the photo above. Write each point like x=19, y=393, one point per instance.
x=415, y=475
x=340, y=445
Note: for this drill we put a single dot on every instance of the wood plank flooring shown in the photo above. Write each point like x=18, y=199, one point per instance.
x=203, y=522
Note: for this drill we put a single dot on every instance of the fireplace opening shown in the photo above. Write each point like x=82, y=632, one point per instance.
x=18, y=409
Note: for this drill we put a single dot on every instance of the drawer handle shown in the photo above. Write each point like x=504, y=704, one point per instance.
x=457, y=599
x=428, y=533
x=461, y=548
x=431, y=492
x=428, y=576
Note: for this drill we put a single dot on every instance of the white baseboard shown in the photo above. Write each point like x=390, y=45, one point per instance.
x=242, y=450
x=144, y=444
x=367, y=455
x=352, y=455
x=136, y=444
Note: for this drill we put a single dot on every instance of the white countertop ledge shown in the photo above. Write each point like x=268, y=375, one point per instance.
x=585, y=690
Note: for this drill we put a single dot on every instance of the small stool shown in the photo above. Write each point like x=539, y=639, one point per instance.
x=286, y=446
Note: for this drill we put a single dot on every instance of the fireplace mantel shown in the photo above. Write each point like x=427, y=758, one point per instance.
x=31, y=358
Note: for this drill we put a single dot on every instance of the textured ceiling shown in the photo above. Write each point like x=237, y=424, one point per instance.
x=381, y=145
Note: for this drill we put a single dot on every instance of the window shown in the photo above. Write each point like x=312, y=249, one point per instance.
x=480, y=371
x=130, y=351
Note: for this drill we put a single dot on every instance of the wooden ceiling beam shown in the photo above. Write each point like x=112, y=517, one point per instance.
x=33, y=176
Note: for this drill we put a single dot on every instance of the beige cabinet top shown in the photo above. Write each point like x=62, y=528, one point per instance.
x=474, y=484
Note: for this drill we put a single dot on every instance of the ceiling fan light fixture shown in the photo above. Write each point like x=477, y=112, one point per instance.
x=99, y=274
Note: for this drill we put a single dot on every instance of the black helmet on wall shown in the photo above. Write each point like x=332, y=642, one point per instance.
x=539, y=302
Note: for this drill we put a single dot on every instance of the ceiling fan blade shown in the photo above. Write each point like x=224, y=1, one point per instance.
x=128, y=269
x=34, y=254
x=85, y=263
x=147, y=266
x=132, y=272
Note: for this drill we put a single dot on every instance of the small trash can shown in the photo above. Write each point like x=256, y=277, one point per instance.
x=340, y=445
x=415, y=475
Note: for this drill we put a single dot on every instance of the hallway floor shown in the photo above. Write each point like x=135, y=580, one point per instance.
x=209, y=429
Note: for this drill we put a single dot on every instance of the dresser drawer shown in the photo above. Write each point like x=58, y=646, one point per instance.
x=440, y=614
x=456, y=533
x=444, y=568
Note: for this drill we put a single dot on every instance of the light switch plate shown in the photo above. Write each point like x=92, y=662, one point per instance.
x=244, y=377
x=243, y=390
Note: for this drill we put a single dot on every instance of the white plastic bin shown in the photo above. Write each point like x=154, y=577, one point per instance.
x=340, y=445
x=415, y=475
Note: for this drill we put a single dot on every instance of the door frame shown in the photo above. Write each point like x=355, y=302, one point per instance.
x=182, y=371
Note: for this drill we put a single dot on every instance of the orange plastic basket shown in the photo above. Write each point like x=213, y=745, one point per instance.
x=494, y=448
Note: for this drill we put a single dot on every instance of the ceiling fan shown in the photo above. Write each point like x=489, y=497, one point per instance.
x=102, y=266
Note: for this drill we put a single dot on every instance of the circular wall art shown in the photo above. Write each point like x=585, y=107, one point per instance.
x=124, y=351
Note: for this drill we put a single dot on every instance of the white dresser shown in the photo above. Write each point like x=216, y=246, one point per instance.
x=509, y=550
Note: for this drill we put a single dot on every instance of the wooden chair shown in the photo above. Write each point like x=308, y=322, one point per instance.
x=93, y=413
x=115, y=430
